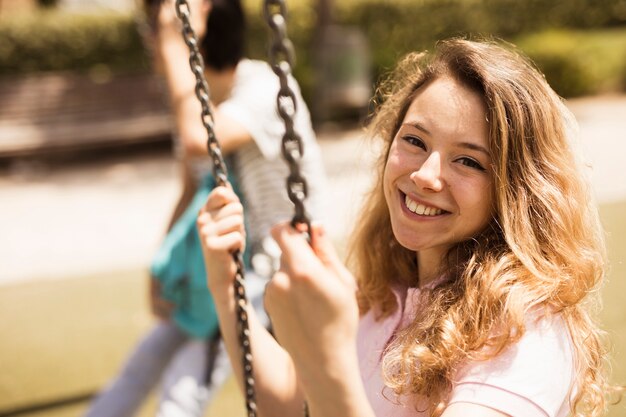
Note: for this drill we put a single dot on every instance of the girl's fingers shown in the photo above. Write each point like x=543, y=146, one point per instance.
x=214, y=215
x=300, y=259
x=218, y=198
x=278, y=286
x=227, y=242
x=297, y=257
x=233, y=223
x=224, y=226
x=220, y=221
x=325, y=251
x=323, y=247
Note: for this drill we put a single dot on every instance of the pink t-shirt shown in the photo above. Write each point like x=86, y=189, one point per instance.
x=531, y=378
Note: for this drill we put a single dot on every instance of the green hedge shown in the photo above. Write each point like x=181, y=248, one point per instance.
x=580, y=62
x=576, y=59
x=51, y=41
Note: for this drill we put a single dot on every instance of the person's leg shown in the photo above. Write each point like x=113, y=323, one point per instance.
x=200, y=368
x=142, y=371
x=184, y=393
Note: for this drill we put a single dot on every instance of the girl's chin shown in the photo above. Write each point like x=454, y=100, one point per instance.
x=419, y=245
x=410, y=243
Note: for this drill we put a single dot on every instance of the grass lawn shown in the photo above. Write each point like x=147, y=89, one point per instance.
x=65, y=338
x=613, y=314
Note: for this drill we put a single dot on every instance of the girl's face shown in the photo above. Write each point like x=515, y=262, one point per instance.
x=438, y=177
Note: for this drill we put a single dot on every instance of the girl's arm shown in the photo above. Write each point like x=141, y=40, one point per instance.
x=172, y=55
x=220, y=224
x=312, y=303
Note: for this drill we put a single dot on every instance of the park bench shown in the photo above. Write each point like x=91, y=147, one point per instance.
x=59, y=112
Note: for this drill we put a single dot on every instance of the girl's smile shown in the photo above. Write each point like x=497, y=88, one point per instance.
x=420, y=208
x=437, y=180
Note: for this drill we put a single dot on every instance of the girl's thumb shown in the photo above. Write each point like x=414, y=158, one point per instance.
x=323, y=246
x=326, y=253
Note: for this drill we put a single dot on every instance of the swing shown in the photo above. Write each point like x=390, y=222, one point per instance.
x=281, y=57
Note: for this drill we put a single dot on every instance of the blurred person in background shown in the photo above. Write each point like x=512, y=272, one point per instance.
x=190, y=368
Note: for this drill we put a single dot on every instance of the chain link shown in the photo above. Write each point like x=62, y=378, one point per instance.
x=282, y=57
x=220, y=173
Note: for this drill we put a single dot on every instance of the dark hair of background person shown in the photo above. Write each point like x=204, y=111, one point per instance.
x=224, y=43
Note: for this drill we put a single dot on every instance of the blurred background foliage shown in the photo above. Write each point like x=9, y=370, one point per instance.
x=579, y=44
x=50, y=40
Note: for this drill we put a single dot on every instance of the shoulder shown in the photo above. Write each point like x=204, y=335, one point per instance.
x=532, y=377
x=255, y=73
x=259, y=77
x=253, y=94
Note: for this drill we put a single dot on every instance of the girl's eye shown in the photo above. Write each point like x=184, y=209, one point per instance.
x=471, y=163
x=415, y=141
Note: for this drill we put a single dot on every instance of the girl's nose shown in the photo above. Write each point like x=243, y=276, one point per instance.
x=428, y=176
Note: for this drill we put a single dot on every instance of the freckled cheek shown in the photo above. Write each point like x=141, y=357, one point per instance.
x=388, y=179
x=398, y=166
x=484, y=203
x=477, y=198
x=393, y=169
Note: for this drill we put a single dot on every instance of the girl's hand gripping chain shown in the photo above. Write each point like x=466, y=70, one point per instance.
x=221, y=228
x=311, y=301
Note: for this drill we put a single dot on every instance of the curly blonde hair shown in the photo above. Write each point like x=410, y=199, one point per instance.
x=544, y=247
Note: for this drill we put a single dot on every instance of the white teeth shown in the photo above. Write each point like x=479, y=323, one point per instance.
x=420, y=208
x=412, y=205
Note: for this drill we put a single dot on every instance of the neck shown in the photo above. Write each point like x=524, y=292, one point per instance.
x=220, y=83
x=428, y=266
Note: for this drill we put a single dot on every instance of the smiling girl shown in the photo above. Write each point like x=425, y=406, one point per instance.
x=476, y=256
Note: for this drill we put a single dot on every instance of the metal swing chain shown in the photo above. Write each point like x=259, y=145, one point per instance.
x=282, y=56
x=220, y=173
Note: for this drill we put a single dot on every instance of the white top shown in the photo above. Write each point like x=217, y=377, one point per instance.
x=531, y=378
x=259, y=168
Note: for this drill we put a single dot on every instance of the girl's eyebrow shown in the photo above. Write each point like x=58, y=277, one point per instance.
x=474, y=147
x=418, y=126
